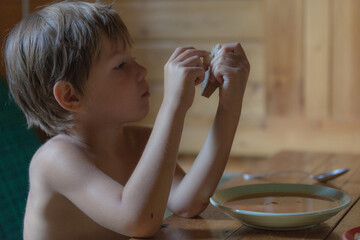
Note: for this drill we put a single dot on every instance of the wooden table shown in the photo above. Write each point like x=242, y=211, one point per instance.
x=213, y=224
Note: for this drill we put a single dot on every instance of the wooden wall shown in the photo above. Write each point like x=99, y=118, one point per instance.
x=11, y=12
x=304, y=87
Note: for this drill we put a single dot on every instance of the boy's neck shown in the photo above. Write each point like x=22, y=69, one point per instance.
x=108, y=140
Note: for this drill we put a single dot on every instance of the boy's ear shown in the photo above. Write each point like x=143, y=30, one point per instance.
x=66, y=96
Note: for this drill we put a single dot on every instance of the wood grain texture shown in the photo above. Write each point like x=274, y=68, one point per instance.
x=192, y=19
x=10, y=14
x=284, y=50
x=351, y=220
x=210, y=224
x=303, y=91
x=345, y=60
x=317, y=59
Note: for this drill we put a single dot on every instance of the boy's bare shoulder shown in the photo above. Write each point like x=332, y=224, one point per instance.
x=57, y=153
x=59, y=146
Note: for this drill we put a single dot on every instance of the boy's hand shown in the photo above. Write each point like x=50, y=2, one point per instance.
x=231, y=68
x=183, y=71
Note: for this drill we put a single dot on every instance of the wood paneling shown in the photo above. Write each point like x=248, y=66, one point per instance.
x=10, y=14
x=304, y=89
x=284, y=57
x=345, y=60
x=168, y=20
x=317, y=59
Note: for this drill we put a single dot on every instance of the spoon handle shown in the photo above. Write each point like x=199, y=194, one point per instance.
x=247, y=176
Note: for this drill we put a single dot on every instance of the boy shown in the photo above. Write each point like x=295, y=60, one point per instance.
x=71, y=71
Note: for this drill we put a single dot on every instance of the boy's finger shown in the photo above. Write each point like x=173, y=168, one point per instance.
x=235, y=48
x=217, y=75
x=192, y=52
x=192, y=61
x=198, y=74
x=179, y=51
x=199, y=80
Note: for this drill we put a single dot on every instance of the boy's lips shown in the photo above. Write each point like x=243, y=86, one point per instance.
x=146, y=93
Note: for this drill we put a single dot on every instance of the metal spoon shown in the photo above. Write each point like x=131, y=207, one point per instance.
x=323, y=177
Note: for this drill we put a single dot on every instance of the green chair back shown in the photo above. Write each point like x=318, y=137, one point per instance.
x=17, y=146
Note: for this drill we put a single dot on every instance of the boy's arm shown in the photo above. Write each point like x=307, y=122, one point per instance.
x=137, y=208
x=190, y=193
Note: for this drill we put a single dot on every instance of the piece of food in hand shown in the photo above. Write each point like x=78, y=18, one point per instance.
x=209, y=87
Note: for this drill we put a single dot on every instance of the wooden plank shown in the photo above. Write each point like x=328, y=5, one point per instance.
x=264, y=139
x=284, y=106
x=193, y=19
x=284, y=47
x=259, y=138
x=208, y=225
x=350, y=221
x=316, y=59
x=347, y=183
x=234, y=166
x=309, y=162
x=38, y=4
x=10, y=15
x=346, y=57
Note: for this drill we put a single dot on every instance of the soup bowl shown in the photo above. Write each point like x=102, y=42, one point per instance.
x=280, y=220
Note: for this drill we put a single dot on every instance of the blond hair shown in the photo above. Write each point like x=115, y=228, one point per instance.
x=58, y=42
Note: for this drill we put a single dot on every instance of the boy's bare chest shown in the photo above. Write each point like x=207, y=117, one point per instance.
x=120, y=168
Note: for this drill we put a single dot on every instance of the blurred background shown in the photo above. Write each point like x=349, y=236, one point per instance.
x=304, y=87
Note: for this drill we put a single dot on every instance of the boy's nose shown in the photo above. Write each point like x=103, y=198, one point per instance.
x=141, y=73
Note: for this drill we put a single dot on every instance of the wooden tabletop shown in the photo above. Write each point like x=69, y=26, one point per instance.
x=213, y=224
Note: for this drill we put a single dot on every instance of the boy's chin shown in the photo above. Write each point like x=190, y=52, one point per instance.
x=145, y=115
x=142, y=115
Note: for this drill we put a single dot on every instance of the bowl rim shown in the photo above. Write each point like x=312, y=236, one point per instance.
x=342, y=204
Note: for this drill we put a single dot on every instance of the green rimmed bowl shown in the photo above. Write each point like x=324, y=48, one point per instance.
x=280, y=221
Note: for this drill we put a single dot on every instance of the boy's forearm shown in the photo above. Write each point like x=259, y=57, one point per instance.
x=203, y=177
x=147, y=191
x=220, y=139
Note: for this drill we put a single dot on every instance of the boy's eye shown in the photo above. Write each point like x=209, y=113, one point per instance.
x=121, y=65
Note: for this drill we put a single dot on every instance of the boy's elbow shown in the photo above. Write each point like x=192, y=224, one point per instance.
x=191, y=211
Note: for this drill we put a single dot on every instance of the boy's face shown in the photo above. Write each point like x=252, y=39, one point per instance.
x=116, y=91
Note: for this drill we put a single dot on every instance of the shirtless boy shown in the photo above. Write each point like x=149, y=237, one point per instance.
x=71, y=71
